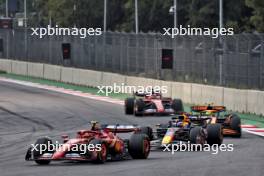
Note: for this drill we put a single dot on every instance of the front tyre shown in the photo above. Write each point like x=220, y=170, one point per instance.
x=38, y=152
x=129, y=106
x=139, y=107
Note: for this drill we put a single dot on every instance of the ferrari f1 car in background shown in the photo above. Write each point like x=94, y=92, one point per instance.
x=112, y=147
x=150, y=104
x=182, y=129
x=230, y=123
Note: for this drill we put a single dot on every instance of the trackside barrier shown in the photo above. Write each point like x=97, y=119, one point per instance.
x=52, y=72
x=35, y=70
x=66, y=74
x=113, y=78
x=169, y=87
x=88, y=77
x=5, y=65
x=234, y=99
x=182, y=91
x=255, y=101
x=136, y=81
x=207, y=94
x=20, y=68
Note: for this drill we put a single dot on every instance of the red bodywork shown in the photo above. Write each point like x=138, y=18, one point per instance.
x=158, y=101
x=107, y=135
x=84, y=137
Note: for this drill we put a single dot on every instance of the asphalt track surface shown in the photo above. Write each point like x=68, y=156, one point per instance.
x=27, y=113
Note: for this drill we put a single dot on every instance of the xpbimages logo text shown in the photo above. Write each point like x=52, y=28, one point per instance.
x=148, y=90
x=82, y=148
x=188, y=147
x=82, y=32
x=191, y=31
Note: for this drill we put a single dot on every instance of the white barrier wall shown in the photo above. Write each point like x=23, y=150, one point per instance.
x=255, y=101
x=88, y=77
x=36, y=70
x=137, y=81
x=66, y=74
x=5, y=65
x=202, y=94
x=52, y=72
x=20, y=68
x=234, y=99
x=168, y=87
x=182, y=91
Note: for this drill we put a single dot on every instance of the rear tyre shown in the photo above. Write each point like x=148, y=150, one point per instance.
x=100, y=156
x=236, y=125
x=129, y=105
x=38, y=152
x=214, y=134
x=139, y=146
x=147, y=131
x=194, y=134
x=177, y=105
x=196, y=137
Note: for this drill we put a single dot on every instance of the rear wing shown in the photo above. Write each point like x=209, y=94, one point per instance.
x=198, y=118
x=139, y=94
x=121, y=128
x=192, y=118
x=208, y=108
x=143, y=94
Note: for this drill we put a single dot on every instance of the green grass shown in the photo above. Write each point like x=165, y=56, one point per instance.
x=246, y=118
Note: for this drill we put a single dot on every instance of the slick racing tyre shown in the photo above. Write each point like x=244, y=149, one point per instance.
x=214, y=134
x=139, y=107
x=37, y=152
x=139, y=146
x=235, y=124
x=177, y=105
x=147, y=131
x=100, y=157
x=197, y=137
x=129, y=105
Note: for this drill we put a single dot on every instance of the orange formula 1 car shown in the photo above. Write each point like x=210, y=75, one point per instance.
x=231, y=123
x=97, y=145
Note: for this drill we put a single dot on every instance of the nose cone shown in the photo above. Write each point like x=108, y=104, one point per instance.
x=60, y=152
x=166, y=140
x=58, y=155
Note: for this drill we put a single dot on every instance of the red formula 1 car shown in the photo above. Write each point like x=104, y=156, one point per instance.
x=97, y=145
x=150, y=104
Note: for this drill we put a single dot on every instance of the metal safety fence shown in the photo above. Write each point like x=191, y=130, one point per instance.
x=234, y=61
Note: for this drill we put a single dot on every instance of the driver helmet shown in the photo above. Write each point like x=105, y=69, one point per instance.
x=95, y=126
